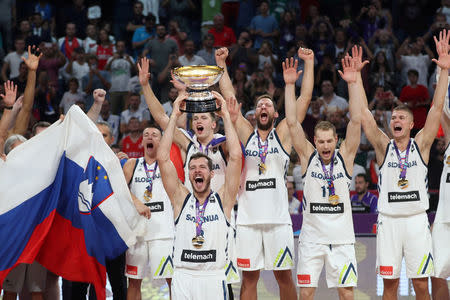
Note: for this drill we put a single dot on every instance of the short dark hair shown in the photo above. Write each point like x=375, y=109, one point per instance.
x=153, y=125
x=413, y=72
x=404, y=107
x=150, y=17
x=325, y=125
x=264, y=96
x=73, y=79
x=42, y=124
x=363, y=175
x=200, y=155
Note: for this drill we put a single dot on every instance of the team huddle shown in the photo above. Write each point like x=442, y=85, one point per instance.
x=196, y=242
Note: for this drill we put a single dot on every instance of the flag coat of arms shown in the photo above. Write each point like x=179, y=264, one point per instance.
x=64, y=202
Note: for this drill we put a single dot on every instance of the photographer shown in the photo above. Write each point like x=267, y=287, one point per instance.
x=121, y=65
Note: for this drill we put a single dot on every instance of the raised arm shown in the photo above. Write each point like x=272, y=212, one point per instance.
x=99, y=98
x=375, y=135
x=226, y=86
x=302, y=104
x=301, y=144
x=128, y=170
x=229, y=190
x=351, y=143
x=426, y=135
x=154, y=106
x=176, y=191
x=8, y=99
x=243, y=127
x=24, y=116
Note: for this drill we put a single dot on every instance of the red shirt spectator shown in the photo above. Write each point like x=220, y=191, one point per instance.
x=223, y=35
x=417, y=98
x=133, y=149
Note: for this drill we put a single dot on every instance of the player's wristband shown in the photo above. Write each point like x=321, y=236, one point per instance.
x=8, y=107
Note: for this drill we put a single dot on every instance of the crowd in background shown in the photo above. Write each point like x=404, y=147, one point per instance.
x=96, y=44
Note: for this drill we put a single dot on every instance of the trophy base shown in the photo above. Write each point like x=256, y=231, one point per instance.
x=200, y=102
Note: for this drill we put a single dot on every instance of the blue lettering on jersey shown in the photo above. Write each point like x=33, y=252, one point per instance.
x=209, y=218
x=397, y=165
x=321, y=176
x=256, y=152
x=216, y=167
x=145, y=179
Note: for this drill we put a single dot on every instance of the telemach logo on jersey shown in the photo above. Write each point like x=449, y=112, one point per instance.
x=198, y=256
x=155, y=206
x=403, y=196
x=326, y=208
x=269, y=183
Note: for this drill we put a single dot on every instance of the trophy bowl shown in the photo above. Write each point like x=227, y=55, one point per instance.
x=197, y=79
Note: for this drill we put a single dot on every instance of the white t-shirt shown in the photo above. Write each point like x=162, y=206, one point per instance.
x=90, y=45
x=14, y=60
x=70, y=99
x=120, y=74
x=126, y=115
x=78, y=71
x=420, y=63
x=196, y=60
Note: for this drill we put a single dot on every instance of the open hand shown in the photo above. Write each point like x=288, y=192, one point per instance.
x=10, y=93
x=290, y=73
x=34, y=55
x=442, y=48
x=144, y=71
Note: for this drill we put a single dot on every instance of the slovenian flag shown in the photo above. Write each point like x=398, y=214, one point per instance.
x=64, y=202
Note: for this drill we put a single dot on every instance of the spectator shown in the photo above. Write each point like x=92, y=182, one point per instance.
x=411, y=20
x=369, y=22
x=340, y=42
x=12, y=61
x=189, y=58
x=7, y=17
x=159, y=49
x=181, y=11
x=263, y=26
x=47, y=101
x=336, y=117
x=409, y=56
x=294, y=203
x=243, y=53
x=51, y=61
x=321, y=34
x=330, y=99
x=266, y=56
x=384, y=41
x=104, y=50
x=90, y=42
x=137, y=19
x=133, y=111
x=70, y=97
x=209, y=10
x=21, y=80
x=287, y=31
x=40, y=30
x=380, y=72
x=363, y=201
x=177, y=35
x=120, y=65
x=95, y=79
x=151, y=6
x=75, y=13
x=68, y=43
x=207, y=52
x=132, y=143
x=45, y=10
x=24, y=32
x=416, y=97
x=143, y=35
x=108, y=117
x=327, y=71
x=77, y=66
x=223, y=35
x=239, y=81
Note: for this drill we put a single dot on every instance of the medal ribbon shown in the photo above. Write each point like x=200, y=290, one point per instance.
x=402, y=162
x=263, y=149
x=150, y=179
x=199, y=215
x=329, y=175
x=212, y=143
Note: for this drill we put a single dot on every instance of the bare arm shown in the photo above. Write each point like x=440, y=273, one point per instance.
x=301, y=144
x=128, y=169
x=351, y=143
x=154, y=106
x=176, y=191
x=304, y=99
x=8, y=100
x=24, y=116
x=229, y=190
x=226, y=87
x=426, y=135
x=5, y=68
x=94, y=111
x=243, y=127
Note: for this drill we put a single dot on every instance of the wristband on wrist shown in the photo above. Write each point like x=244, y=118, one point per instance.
x=8, y=107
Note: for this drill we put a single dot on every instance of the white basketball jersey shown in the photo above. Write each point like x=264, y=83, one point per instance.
x=160, y=225
x=213, y=255
x=443, y=210
x=323, y=222
x=214, y=152
x=412, y=200
x=263, y=197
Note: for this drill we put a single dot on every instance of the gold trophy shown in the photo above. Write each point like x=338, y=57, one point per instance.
x=197, y=79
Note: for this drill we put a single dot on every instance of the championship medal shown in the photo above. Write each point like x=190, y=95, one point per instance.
x=403, y=183
x=333, y=199
x=198, y=241
x=147, y=195
x=263, y=149
x=262, y=168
